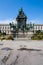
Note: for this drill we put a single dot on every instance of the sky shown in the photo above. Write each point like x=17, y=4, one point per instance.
x=32, y=8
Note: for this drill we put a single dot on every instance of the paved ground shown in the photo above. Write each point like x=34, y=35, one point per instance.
x=33, y=55
x=17, y=44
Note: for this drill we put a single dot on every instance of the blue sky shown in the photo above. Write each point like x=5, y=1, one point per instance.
x=32, y=8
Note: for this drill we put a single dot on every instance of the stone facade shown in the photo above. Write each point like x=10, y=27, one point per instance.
x=38, y=27
x=6, y=28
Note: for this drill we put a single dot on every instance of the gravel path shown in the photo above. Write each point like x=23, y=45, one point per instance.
x=17, y=57
x=18, y=44
x=31, y=53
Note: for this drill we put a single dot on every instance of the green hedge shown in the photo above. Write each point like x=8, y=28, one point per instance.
x=7, y=37
x=37, y=36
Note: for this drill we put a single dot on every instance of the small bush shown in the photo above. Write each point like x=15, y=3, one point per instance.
x=37, y=36
x=9, y=37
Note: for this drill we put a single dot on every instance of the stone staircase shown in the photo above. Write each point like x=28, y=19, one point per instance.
x=24, y=37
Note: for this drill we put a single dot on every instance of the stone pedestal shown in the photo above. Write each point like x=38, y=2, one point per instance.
x=25, y=35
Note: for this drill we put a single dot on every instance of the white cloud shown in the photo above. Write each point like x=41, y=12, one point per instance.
x=7, y=21
x=36, y=21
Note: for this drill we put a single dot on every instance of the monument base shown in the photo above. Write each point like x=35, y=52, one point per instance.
x=24, y=36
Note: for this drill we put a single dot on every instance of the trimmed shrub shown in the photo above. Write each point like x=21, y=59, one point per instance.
x=9, y=37
x=37, y=36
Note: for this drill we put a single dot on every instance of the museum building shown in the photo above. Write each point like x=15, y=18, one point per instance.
x=21, y=25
